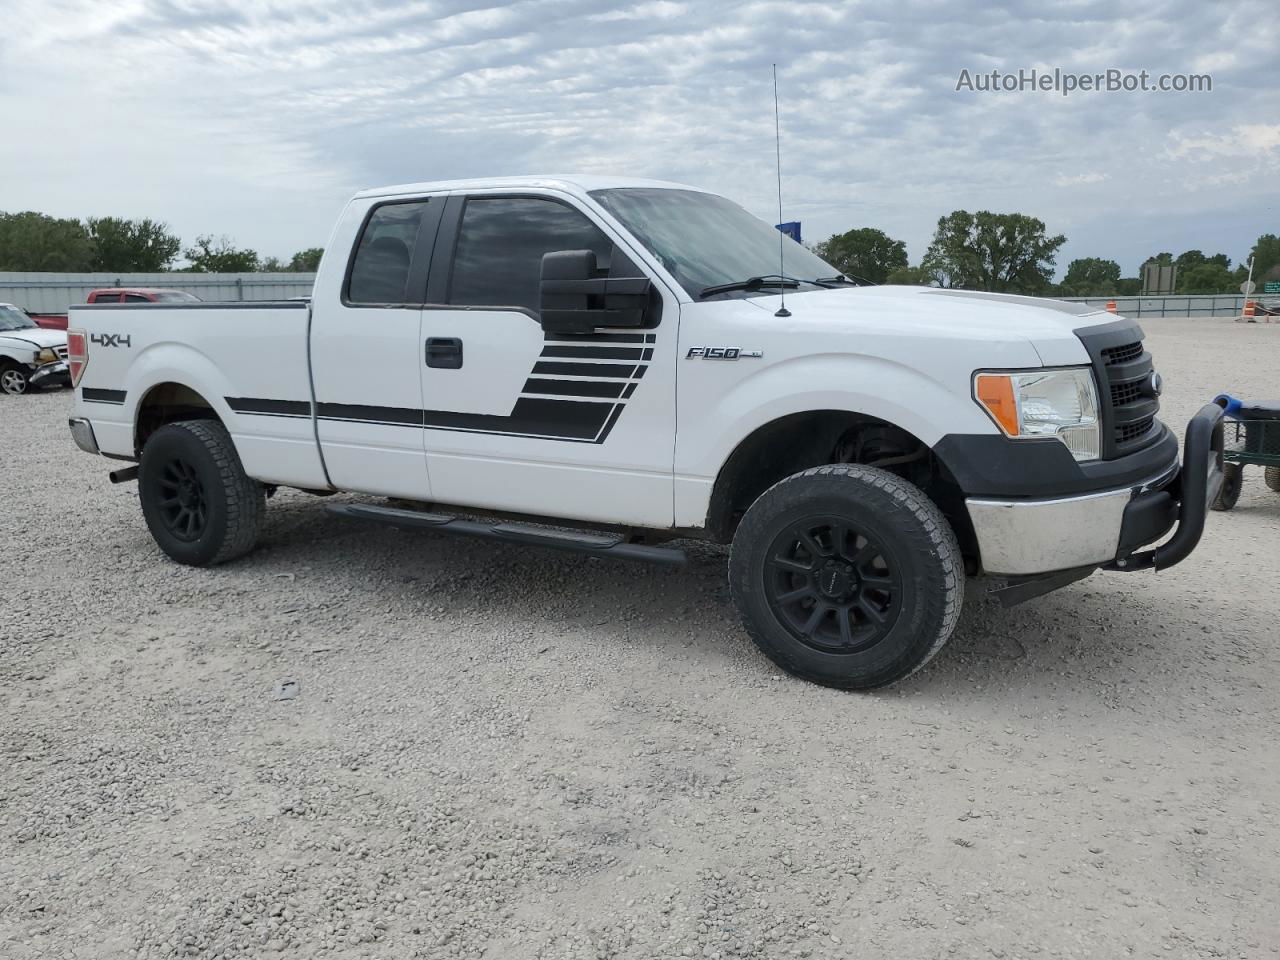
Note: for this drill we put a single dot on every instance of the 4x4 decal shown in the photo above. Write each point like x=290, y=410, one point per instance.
x=577, y=390
x=111, y=339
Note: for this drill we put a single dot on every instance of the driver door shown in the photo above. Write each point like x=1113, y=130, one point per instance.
x=524, y=421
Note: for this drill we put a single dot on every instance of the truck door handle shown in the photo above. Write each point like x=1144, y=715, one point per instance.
x=445, y=352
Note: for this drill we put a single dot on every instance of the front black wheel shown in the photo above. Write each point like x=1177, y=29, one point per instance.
x=200, y=506
x=1232, y=481
x=847, y=575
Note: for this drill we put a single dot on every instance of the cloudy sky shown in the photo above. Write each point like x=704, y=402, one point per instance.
x=257, y=119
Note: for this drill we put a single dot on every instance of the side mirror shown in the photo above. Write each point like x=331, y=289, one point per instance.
x=574, y=300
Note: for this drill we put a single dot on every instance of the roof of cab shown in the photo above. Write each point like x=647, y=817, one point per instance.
x=569, y=183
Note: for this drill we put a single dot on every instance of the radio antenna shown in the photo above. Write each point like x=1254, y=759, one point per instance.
x=777, y=143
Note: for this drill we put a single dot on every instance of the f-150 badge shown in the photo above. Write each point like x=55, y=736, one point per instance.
x=721, y=353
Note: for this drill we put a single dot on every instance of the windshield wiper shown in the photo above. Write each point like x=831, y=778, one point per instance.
x=775, y=280
x=842, y=279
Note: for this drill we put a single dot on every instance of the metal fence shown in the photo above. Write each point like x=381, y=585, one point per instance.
x=1221, y=305
x=54, y=292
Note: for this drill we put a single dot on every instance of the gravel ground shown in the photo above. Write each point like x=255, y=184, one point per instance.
x=511, y=753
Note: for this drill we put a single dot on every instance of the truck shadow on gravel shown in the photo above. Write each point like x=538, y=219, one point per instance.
x=1073, y=632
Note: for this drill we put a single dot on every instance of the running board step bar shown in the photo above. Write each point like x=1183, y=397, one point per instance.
x=597, y=544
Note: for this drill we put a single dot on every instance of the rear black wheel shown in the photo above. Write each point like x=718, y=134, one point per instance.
x=846, y=575
x=201, y=507
x=1232, y=481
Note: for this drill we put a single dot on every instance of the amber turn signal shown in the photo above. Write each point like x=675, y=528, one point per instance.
x=995, y=393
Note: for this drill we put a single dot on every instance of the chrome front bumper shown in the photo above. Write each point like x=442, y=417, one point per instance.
x=1018, y=537
x=1028, y=537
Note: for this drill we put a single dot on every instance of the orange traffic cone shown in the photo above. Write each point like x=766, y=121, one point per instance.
x=1249, y=310
x=1111, y=306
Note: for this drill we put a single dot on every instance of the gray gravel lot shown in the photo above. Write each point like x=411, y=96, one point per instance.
x=513, y=753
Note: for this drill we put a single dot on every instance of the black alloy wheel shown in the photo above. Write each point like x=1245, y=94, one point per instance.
x=831, y=586
x=182, y=500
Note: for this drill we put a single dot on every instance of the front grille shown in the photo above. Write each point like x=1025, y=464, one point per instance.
x=61, y=352
x=1122, y=354
x=1127, y=399
x=1122, y=393
x=1129, y=432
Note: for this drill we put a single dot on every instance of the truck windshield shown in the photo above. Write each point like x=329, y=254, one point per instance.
x=11, y=318
x=705, y=240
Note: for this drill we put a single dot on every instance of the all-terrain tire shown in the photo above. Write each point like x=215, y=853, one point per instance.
x=1272, y=477
x=200, y=505
x=867, y=546
x=1229, y=492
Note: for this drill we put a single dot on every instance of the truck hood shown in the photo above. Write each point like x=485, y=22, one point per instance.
x=1048, y=325
x=36, y=337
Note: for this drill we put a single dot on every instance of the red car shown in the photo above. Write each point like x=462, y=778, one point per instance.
x=58, y=321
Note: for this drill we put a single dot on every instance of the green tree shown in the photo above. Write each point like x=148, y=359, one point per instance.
x=36, y=241
x=125, y=245
x=864, y=253
x=272, y=265
x=1128, y=286
x=1002, y=252
x=910, y=277
x=220, y=256
x=1090, y=277
x=1163, y=258
x=306, y=261
x=1207, y=277
x=1266, y=254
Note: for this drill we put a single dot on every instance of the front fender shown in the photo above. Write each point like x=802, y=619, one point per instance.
x=871, y=386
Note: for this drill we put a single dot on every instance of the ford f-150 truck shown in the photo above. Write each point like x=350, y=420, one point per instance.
x=522, y=356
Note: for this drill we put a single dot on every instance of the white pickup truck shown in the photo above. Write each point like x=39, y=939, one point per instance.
x=522, y=356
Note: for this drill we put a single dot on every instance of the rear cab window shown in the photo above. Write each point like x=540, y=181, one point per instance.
x=383, y=270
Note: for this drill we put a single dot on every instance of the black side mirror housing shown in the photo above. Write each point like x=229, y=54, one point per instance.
x=574, y=300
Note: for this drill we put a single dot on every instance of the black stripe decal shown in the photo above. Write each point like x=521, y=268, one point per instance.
x=359, y=413
x=578, y=421
x=565, y=368
x=597, y=337
x=98, y=395
x=595, y=353
x=532, y=417
x=573, y=388
x=613, y=418
x=270, y=408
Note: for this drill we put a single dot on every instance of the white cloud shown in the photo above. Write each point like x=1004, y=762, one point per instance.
x=255, y=119
x=1079, y=179
x=1246, y=140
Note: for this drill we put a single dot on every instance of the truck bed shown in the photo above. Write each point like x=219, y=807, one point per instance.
x=225, y=352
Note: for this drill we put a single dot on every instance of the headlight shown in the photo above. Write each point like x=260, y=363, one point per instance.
x=46, y=356
x=1032, y=404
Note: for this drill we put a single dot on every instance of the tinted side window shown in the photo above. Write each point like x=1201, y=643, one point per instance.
x=501, y=242
x=380, y=264
x=136, y=298
x=106, y=298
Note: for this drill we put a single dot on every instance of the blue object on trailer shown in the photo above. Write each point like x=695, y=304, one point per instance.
x=791, y=228
x=1229, y=404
